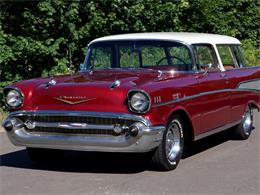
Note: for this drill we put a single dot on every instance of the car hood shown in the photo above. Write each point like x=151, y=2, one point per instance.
x=91, y=91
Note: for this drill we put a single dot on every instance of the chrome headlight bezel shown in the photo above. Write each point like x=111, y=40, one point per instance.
x=16, y=94
x=143, y=98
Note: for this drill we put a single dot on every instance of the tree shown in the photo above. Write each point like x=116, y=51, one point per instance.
x=40, y=38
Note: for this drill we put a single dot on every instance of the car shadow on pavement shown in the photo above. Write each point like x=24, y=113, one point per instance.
x=75, y=161
x=99, y=162
x=210, y=142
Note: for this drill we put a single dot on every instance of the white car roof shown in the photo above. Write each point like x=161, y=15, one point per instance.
x=190, y=38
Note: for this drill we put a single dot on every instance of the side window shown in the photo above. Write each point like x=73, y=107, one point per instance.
x=205, y=57
x=129, y=56
x=101, y=57
x=227, y=57
x=238, y=51
x=151, y=55
x=177, y=56
x=180, y=55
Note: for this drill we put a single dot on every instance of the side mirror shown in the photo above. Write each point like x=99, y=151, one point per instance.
x=206, y=66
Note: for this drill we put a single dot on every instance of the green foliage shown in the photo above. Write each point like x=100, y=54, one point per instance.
x=236, y=18
x=252, y=52
x=49, y=37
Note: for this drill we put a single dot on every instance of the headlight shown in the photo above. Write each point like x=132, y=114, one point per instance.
x=138, y=101
x=14, y=98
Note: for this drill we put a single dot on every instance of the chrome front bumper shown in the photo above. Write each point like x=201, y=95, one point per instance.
x=148, y=137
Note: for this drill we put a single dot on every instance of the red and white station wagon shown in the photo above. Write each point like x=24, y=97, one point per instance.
x=144, y=92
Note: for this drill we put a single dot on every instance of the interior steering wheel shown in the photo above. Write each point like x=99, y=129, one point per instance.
x=174, y=57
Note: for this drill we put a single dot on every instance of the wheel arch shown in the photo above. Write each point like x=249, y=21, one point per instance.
x=254, y=105
x=185, y=116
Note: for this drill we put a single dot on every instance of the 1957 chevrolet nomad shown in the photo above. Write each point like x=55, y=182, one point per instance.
x=144, y=92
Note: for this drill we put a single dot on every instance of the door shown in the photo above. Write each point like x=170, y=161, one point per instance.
x=244, y=81
x=214, y=92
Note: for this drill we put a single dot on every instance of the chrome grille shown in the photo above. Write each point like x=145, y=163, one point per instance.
x=76, y=119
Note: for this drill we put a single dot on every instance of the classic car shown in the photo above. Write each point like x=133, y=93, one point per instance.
x=141, y=93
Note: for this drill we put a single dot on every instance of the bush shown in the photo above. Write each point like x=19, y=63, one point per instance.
x=252, y=54
x=40, y=38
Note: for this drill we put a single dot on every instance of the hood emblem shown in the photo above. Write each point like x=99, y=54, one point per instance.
x=51, y=82
x=72, y=100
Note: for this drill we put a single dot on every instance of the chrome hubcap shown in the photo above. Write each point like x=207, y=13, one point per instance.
x=173, y=143
x=247, y=122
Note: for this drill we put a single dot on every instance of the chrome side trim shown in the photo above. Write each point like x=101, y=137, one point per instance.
x=217, y=130
x=253, y=85
x=248, y=90
x=203, y=94
x=191, y=97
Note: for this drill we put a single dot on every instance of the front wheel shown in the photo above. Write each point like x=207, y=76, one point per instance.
x=244, y=129
x=169, y=152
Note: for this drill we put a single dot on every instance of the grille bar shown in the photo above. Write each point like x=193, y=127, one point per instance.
x=73, y=131
x=73, y=125
x=78, y=119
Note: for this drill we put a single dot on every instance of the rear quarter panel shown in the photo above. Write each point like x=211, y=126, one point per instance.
x=245, y=83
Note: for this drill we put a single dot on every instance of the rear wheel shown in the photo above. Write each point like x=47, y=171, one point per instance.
x=169, y=152
x=42, y=155
x=244, y=129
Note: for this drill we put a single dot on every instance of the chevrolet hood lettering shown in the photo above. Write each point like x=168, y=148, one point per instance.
x=73, y=100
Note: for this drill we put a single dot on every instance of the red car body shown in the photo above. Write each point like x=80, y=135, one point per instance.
x=208, y=101
x=215, y=97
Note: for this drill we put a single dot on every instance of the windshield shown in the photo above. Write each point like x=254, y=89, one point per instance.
x=138, y=54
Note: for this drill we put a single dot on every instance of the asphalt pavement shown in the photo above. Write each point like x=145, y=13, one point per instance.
x=215, y=165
